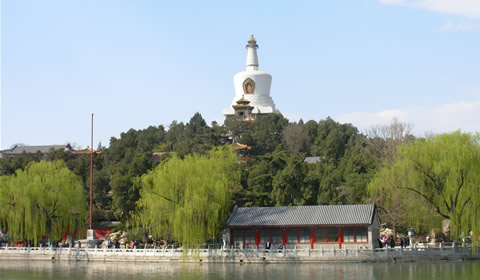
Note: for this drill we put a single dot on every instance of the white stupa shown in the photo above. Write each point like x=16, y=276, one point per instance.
x=253, y=85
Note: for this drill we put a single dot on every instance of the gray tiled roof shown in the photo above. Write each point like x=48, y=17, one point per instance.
x=303, y=215
x=34, y=149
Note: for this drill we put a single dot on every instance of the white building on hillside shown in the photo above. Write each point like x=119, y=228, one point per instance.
x=254, y=86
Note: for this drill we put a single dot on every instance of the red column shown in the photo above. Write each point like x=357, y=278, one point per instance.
x=257, y=237
x=312, y=237
x=340, y=237
x=284, y=237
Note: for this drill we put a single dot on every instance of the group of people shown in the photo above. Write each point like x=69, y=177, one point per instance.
x=116, y=244
x=383, y=242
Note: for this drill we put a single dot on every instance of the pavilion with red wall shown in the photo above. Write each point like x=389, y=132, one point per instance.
x=316, y=226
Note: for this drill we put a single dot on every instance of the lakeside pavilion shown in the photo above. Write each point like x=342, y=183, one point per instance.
x=327, y=226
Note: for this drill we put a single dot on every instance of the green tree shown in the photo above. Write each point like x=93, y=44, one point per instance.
x=197, y=125
x=188, y=200
x=266, y=133
x=357, y=167
x=45, y=199
x=259, y=182
x=441, y=174
x=124, y=196
x=289, y=187
x=332, y=139
x=326, y=178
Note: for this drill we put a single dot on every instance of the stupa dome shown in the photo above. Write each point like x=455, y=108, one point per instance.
x=253, y=84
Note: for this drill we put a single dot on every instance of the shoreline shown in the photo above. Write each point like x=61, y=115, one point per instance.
x=234, y=255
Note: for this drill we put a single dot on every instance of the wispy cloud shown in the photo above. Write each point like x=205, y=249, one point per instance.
x=465, y=8
x=464, y=115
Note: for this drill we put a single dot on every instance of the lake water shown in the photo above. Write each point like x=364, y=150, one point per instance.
x=460, y=270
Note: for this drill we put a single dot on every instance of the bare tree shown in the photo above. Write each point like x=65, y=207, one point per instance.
x=295, y=138
x=386, y=138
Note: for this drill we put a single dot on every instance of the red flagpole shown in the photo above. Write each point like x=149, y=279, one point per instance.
x=91, y=175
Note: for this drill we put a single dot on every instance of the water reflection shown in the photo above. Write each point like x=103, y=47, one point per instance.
x=339, y=271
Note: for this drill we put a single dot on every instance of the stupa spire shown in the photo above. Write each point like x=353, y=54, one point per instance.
x=252, y=58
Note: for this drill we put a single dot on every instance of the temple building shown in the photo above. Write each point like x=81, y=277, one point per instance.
x=252, y=89
x=316, y=226
x=19, y=150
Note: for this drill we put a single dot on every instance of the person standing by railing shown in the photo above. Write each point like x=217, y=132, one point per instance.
x=392, y=242
x=384, y=241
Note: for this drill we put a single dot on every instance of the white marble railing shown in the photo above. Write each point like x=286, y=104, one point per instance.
x=423, y=249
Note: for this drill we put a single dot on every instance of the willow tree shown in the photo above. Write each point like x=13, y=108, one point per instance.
x=44, y=200
x=440, y=175
x=188, y=200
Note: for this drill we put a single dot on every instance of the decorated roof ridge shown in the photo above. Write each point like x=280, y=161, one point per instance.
x=239, y=146
x=243, y=100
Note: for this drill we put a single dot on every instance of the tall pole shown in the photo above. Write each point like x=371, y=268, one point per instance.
x=91, y=175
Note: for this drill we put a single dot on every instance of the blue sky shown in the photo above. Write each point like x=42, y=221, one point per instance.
x=140, y=63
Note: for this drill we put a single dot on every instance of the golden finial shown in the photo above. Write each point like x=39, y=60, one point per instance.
x=252, y=38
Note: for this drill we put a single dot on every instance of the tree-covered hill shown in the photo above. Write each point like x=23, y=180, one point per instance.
x=304, y=163
x=275, y=173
